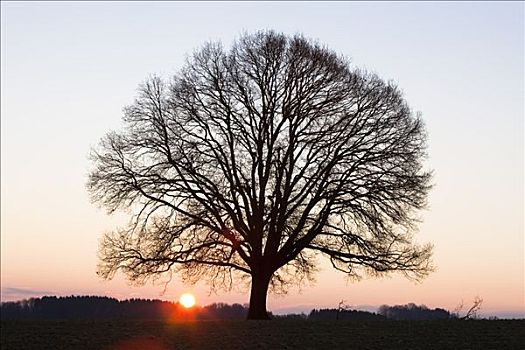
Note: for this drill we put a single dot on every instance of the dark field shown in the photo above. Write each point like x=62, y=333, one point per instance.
x=277, y=334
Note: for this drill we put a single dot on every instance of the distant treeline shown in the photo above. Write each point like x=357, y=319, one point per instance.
x=413, y=312
x=398, y=312
x=335, y=314
x=95, y=307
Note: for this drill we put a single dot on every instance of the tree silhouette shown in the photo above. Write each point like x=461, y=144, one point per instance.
x=253, y=161
x=472, y=312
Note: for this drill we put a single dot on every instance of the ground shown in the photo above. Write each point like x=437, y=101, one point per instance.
x=276, y=334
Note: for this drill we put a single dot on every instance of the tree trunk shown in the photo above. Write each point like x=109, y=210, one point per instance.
x=259, y=291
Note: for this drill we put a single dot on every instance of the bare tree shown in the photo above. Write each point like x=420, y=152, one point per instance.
x=472, y=312
x=342, y=306
x=251, y=162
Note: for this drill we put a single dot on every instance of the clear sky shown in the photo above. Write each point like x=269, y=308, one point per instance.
x=69, y=68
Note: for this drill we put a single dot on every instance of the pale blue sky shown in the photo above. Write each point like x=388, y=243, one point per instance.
x=69, y=68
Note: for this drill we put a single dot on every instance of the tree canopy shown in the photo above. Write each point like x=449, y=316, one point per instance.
x=254, y=161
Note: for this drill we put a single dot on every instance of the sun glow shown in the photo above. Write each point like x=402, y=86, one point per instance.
x=187, y=300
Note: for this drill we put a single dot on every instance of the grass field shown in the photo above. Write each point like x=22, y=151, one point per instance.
x=277, y=334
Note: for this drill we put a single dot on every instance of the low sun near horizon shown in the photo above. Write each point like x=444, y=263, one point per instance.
x=187, y=300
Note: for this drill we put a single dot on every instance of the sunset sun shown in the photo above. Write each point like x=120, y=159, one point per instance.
x=187, y=300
